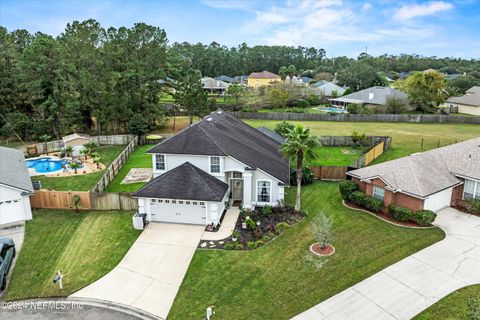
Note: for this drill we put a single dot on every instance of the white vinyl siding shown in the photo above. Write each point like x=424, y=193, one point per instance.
x=378, y=193
x=264, y=191
x=471, y=190
x=160, y=162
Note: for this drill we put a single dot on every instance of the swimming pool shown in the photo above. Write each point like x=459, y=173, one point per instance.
x=45, y=164
x=331, y=109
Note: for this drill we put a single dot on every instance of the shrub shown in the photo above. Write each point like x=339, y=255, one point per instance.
x=399, y=213
x=354, y=108
x=373, y=204
x=347, y=187
x=424, y=217
x=251, y=225
x=358, y=198
x=314, y=100
x=322, y=229
x=239, y=246
x=296, y=110
x=303, y=213
x=283, y=128
x=281, y=226
x=307, y=176
x=230, y=246
x=473, y=205
x=303, y=103
x=251, y=245
x=267, y=210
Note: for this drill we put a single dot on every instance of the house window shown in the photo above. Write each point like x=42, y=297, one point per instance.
x=153, y=200
x=160, y=162
x=194, y=203
x=180, y=202
x=378, y=193
x=174, y=201
x=237, y=175
x=167, y=201
x=202, y=203
x=263, y=191
x=471, y=190
x=215, y=164
x=160, y=200
x=187, y=202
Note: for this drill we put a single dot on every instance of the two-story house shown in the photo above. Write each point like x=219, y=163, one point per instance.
x=217, y=159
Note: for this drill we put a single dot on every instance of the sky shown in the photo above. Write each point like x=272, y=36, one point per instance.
x=429, y=28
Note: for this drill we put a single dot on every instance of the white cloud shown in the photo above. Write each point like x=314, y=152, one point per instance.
x=407, y=12
x=366, y=6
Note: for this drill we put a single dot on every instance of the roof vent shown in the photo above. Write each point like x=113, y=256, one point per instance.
x=371, y=95
x=220, y=112
x=209, y=119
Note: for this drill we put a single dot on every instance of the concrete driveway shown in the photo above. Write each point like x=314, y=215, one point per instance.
x=408, y=287
x=17, y=233
x=152, y=271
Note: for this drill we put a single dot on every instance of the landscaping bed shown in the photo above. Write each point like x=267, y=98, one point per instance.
x=254, y=228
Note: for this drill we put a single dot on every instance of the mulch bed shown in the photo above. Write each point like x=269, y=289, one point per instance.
x=385, y=216
x=465, y=210
x=316, y=249
x=268, y=229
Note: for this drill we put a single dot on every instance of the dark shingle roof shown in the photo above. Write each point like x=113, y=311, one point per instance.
x=373, y=95
x=425, y=173
x=13, y=171
x=272, y=134
x=224, y=135
x=184, y=182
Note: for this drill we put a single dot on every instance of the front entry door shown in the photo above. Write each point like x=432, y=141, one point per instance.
x=237, y=189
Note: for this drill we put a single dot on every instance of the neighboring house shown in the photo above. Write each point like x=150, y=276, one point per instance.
x=15, y=187
x=247, y=164
x=305, y=80
x=318, y=83
x=272, y=134
x=214, y=86
x=430, y=180
x=261, y=79
x=224, y=78
x=373, y=96
x=469, y=103
x=329, y=90
x=295, y=81
x=242, y=80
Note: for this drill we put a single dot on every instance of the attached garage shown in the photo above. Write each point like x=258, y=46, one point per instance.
x=185, y=194
x=438, y=200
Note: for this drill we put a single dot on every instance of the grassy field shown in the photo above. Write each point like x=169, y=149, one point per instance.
x=84, y=246
x=452, y=307
x=306, y=110
x=336, y=156
x=138, y=159
x=282, y=279
x=81, y=182
x=407, y=137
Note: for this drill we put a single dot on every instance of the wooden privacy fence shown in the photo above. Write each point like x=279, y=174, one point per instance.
x=329, y=172
x=88, y=200
x=115, y=167
x=413, y=118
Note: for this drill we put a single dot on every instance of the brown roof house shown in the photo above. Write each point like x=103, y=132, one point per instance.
x=260, y=79
x=469, y=103
x=430, y=180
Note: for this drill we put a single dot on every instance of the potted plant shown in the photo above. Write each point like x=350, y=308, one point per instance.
x=235, y=235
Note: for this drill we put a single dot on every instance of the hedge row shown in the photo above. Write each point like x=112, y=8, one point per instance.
x=422, y=217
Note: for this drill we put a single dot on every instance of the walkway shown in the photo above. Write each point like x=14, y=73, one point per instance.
x=408, y=287
x=227, y=226
x=150, y=274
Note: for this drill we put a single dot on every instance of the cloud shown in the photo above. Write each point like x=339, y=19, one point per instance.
x=366, y=6
x=408, y=12
x=228, y=4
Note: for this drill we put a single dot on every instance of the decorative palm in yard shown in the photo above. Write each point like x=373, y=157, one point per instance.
x=299, y=148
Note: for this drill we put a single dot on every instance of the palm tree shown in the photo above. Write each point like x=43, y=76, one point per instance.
x=283, y=72
x=96, y=159
x=68, y=151
x=74, y=166
x=300, y=147
x=292, y=71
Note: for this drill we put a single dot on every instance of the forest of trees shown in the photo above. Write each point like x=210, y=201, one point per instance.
x=93, y=79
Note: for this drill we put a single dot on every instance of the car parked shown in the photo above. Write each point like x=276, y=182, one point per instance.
x=7, y=253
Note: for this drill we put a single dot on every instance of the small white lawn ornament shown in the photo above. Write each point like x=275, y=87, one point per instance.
x=58, y=279
x=209, y=313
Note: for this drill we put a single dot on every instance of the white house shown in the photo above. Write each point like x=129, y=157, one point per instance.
x=15, y=187
x=245, y=163
x=469, y=103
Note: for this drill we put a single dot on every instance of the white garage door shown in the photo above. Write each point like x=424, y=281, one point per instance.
x=11, y=211
x=438, y=200
x=191, y=212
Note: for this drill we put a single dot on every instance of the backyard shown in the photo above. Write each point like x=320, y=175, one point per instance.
x=336, y=156
x=282, y=279
x=84, y=246
x=138, y=159
x=81, y=182
x=452, y=307
x=406, y=137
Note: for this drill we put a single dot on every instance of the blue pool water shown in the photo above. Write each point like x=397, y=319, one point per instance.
x=45, y=165
x=330, y=109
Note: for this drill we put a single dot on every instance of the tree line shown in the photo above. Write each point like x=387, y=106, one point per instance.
x=106, y=80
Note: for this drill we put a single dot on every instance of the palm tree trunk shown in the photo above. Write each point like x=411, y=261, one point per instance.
x=299, y=181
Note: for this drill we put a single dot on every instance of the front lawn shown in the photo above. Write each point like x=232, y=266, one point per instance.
x=84, y=246
x=452, y=307
x=81, y=182
x=281, y=278
x=337, y=156
x=138, y=159
x=406, y=137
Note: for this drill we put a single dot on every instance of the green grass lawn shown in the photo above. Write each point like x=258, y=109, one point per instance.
x=306, y=110
x=138, y=159
x=336, y=156
x=407, y=137
x=84, y=246
x=81, y=182
x=282, y=279
x=452, y=307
